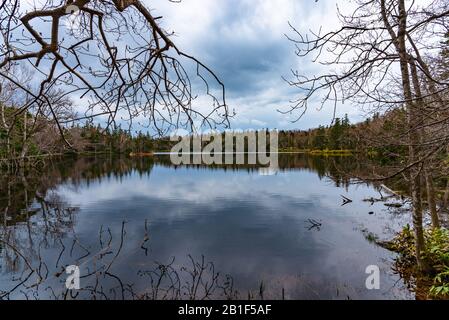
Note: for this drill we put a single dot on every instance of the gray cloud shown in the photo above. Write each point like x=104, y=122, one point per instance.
x=243, y=42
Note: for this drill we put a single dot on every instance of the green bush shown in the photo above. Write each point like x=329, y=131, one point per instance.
x=436, y=255
x=441, y=284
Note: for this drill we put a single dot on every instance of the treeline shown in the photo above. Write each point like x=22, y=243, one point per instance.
x=30, y=137
x=26, y=139
x=338, y=136
x=95, y=139
x=372, y=137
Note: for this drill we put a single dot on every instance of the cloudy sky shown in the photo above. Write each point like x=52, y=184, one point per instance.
x=244, y=42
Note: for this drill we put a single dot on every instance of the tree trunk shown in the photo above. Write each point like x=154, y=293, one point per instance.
x=431, y=200
x=446, y=196
x=415, y=186
x=24, y=138
x=8, y=133
x=446, y=193
x=413, y=136
x=419, y=107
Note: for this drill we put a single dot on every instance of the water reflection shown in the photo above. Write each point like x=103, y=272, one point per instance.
x=142, y=228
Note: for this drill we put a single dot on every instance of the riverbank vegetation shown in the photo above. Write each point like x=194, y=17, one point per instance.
x=435, y=281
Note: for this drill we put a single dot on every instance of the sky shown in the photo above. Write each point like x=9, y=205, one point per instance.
x=244, y=42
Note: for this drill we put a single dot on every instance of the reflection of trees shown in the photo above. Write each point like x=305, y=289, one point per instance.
x=34, y=276
x=36, y=220
x=25, y=192
x=196, y=279
x=33, y=215
x=329, y=167
x=24, y=242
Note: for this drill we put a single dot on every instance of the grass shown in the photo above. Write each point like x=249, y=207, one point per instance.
x=327, y=152
x=319, y=152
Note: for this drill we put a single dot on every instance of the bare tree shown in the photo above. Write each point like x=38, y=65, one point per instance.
x=380, y=58
x=113, y=58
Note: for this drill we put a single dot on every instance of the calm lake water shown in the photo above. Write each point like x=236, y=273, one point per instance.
x=142, y=228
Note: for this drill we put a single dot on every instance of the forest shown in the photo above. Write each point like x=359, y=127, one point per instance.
x=340, y=137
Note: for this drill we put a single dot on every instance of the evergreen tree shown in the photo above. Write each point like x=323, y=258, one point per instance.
x=336, y=132
x=320, y=139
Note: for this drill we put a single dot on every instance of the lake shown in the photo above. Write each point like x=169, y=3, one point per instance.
x=144, y=229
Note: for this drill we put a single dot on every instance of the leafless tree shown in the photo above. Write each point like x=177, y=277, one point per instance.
x=380, y=58
x=113, y=58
